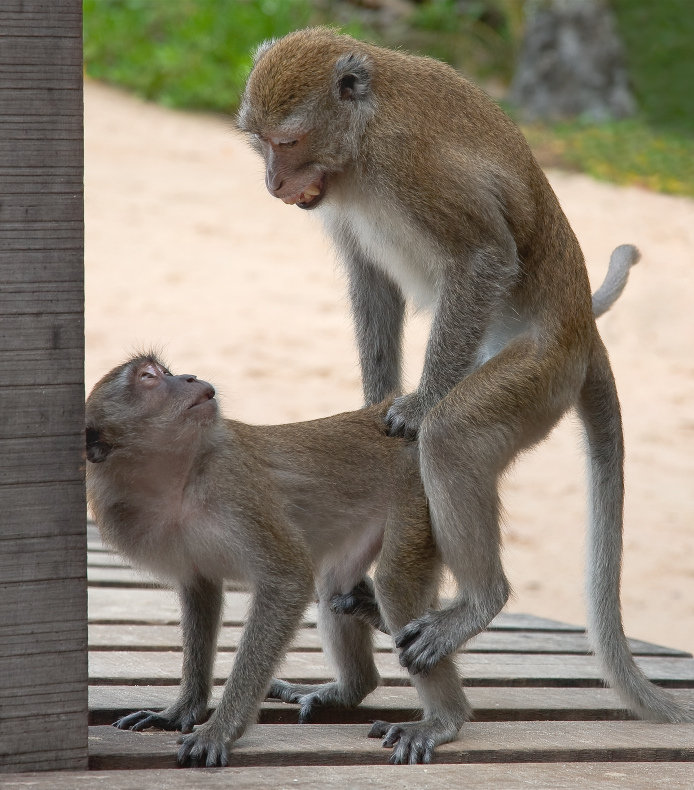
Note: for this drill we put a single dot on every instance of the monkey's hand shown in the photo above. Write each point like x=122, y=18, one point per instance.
x=208, y=746
x=405, y=416
x=425, y=641
x=173, y=718
x=360, y=602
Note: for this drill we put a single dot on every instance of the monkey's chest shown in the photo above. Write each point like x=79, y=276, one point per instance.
x=395, y=246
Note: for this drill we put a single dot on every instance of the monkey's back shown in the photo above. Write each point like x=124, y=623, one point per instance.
x=336, y=476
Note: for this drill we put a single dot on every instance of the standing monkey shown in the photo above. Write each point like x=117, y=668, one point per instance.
x=197, y=499
x=430, y=192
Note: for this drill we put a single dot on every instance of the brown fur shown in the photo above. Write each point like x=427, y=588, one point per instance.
x=198, y=500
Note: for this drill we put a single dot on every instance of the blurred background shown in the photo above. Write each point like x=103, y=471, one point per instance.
x=561, y=65
x=187, y=252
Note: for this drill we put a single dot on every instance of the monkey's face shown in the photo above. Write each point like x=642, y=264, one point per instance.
x=141, y=403
x=306, y=105
x=291, y=174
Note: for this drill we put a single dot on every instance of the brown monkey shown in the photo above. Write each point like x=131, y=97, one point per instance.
x=429, y=191
x=197, y=499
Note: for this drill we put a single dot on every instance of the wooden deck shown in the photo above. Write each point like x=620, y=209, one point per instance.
x=543, y=718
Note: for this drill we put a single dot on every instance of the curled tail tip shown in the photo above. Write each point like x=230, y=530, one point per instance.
x=630, y=254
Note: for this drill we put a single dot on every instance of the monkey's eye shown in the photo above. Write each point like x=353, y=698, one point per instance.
x=146, y=375
x=167, y=372
x=289, y=143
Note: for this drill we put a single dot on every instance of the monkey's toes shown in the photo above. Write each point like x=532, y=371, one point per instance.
x=379, y=729
x=200, y=750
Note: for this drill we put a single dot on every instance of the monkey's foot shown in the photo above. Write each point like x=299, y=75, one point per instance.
x=360, y=602
x=206, y=747
x=309, y=697
x=405, y=416
x=169, y=719
x=425, y=641
x=414, y=741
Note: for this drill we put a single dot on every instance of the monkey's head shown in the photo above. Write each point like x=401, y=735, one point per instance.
x=141, y=404
x=305, y=108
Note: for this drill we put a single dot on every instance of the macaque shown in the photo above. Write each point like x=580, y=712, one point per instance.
x=430, y=193
x=197, y=500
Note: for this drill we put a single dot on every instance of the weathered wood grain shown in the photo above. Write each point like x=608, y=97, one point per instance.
x=43, y=661
x=569, y=776
x=392, y=703
x=347, y=744
x=477, y=669
x=168, y=637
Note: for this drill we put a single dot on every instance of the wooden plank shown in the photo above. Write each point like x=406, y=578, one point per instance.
x=168, y=637
x=118, y=606
x=347, y=744
x=108, y=703
x=481, y=669
x=155, y=606
x=569, y=776
x=43, y=599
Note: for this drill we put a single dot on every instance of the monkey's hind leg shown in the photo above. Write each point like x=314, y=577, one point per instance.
x=466, y=442
x=347, y=643
x=406, y=584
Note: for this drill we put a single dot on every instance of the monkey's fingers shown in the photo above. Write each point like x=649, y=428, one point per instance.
x=379, y=729
x=143, y=719
x=423, y=643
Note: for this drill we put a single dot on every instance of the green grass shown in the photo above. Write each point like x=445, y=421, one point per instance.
x=628, y=152
x=659, y=39
x=183, y=53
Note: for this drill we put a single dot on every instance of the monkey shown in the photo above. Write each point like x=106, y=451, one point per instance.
x=430, y=193
x=197, y=500
x=286, y=509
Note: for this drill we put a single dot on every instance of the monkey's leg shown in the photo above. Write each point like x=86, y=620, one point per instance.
x=201, y=608
x=407, y=578
x=273, y=618
x=466, y=441
x=348, y=646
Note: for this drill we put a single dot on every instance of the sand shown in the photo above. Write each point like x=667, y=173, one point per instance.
x=187, y=252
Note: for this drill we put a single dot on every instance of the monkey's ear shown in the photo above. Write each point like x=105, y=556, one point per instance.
x=353, y=77
x=97, y=449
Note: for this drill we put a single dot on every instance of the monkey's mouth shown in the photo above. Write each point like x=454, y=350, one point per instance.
x=205, y=397
x=310, y=196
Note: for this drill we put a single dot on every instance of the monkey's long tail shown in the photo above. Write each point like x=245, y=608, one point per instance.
x=599, y=409
x=621, y=260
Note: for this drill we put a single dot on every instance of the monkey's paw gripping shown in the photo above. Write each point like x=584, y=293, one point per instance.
x=360, y=602
x=405, y=416
x=311, y=696
x=424, y=642
x=166, y=720
x=413, y=742
x=205, y=748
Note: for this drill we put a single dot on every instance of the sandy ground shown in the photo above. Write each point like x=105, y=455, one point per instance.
x=187, y=252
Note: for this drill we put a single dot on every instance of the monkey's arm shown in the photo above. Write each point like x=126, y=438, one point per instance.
x=378, y=308
x=201, y=608
x=469, y=294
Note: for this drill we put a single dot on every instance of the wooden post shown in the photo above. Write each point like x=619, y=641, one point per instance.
x=43, y=591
